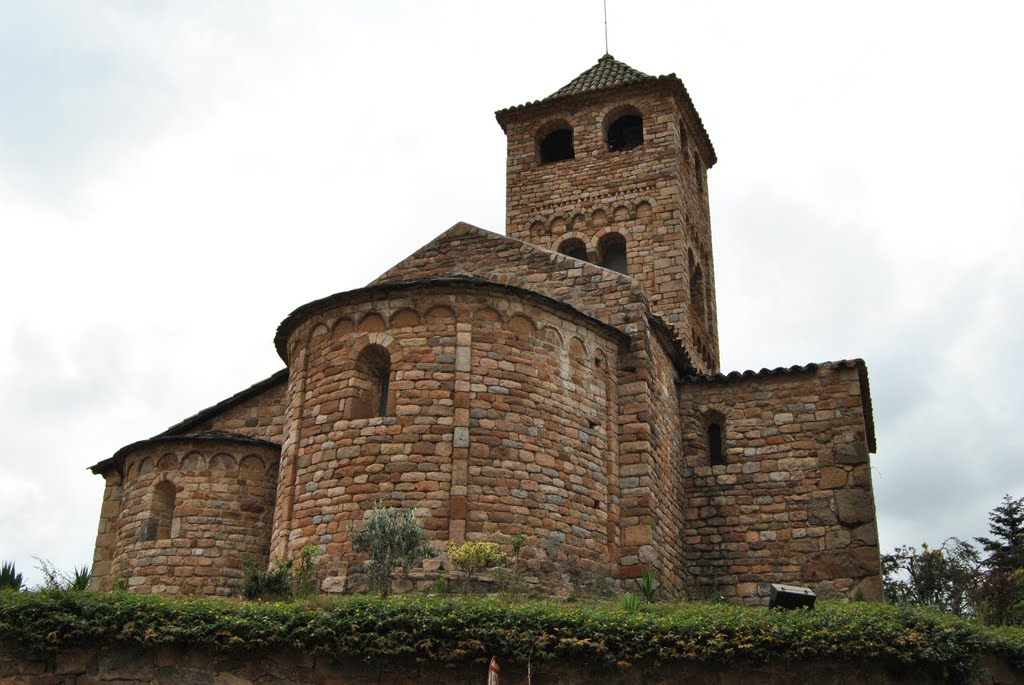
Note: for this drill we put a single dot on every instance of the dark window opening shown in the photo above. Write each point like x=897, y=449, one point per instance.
x=697, y=293
x=574, y=247
x=698, y=172
x=626, y=133
x=613, y=253
x=715, y=448
x=557, y=146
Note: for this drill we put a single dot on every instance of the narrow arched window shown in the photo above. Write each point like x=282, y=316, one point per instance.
x=556, y=146
x=372, y=381
x=626, y=133
x=573, y=247
x=159, y=524
x=612, y=250
x=698, y=172
x=716, y=451
x=697, y=292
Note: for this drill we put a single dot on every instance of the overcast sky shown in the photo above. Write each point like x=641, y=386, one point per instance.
x=176, y=177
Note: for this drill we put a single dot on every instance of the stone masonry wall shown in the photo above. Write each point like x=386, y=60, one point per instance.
x=654, y=196
x=172, y=665
x=498, y=424
x=223, y=504
x=793, y=503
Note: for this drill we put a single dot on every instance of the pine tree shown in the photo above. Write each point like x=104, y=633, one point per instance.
x=1006, y=546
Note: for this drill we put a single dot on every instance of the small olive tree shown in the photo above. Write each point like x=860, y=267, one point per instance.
x=392, y=537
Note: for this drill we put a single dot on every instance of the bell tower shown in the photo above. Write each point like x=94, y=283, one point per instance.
x=612, y=169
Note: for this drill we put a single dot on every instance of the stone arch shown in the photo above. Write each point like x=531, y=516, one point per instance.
x=168, y=462
x=371, y=322
x=697, y=302
x=193, y=461
x=620, y=213
x=554, y=141
x=342, y=327
x=405, y=318
x=644, y=211
x=146, y=466
x=251, y=464
x=611, y=251
x=558, y=225
x=551, y=336
x=578, y=222
x=488, y=314
x=537, y=227
x=160, y=523
x=574, y=246
x=522, y=325
x=440, y=313
x=576, y=357
x=713, y=423
x=599, y=218
x=623, y=127
x=223, y=463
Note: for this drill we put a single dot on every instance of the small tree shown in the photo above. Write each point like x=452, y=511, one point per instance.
x=472, y=557
x=1006, y=546
x=944, y=578
x=392, y=537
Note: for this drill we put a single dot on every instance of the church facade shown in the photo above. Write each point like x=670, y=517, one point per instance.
x=560, y=381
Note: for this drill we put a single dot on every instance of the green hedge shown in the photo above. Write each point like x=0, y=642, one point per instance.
x=459, y=630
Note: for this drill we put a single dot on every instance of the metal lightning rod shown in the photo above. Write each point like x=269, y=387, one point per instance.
x=605, y=27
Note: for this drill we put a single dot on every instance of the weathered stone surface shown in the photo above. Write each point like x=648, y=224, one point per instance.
x=855, y=506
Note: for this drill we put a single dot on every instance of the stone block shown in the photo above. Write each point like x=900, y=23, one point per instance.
x=855, y=506
x=851, y=453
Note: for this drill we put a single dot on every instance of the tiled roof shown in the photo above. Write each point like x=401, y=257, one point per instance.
x=186, y=425
x=607, y=73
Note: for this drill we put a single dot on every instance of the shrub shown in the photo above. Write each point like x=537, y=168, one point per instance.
x=285, y=579
x=515, y=573
x=472, y=557
x=259, y=582
x=393, y=538
x=10, y=579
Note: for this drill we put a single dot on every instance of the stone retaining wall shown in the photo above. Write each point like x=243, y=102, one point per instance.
x=180, y=666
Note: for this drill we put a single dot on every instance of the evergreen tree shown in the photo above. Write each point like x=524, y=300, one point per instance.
x=1006, y=546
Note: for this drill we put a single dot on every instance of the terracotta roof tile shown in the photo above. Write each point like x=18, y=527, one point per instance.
x=607, y=73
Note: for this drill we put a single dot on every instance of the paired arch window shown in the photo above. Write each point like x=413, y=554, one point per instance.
x=573, y=247
x=372, y=380
x=626, y=132
x=557, y=145
x=612, y=249
x=159, y=525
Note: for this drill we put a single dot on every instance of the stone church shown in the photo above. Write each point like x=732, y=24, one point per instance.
x=561, y=381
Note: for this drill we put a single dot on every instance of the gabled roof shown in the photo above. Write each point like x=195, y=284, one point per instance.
x=607, y=73
x=188, y=424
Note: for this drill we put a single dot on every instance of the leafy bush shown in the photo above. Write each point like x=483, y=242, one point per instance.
x=10, y=579
x=285, y=579
x=393, y=538
x=442, y=630
x=514, y=584
x=473, y=557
